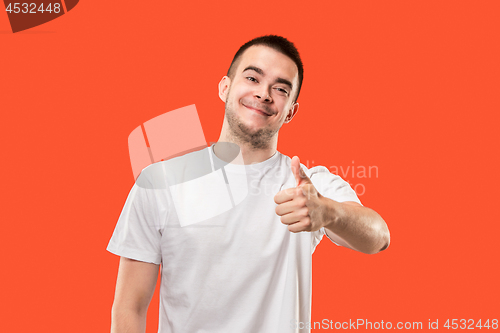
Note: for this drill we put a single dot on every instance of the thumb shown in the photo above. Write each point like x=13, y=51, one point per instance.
x=298, y=172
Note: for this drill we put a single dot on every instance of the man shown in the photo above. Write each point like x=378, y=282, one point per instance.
x=246, y=268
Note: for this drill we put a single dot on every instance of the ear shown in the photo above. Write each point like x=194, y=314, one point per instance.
x=224, y=88
x=291, y=113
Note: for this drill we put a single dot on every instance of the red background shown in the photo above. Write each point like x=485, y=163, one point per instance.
x=409, y=87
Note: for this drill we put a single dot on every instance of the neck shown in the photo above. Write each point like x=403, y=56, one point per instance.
x=248, y=153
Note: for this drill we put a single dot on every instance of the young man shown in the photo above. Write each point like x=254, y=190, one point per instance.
x=246, y=268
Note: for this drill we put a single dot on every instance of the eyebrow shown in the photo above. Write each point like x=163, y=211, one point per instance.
x=261, y=72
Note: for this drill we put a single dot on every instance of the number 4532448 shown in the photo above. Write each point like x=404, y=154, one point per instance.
x=31, y=8
x=470, y=324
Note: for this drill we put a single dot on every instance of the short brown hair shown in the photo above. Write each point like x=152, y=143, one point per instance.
x=278, y=43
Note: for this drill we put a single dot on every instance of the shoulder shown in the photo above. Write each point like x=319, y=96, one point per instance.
x=175, y=170
x=322, y=177
x=331, y=185
x=328, y=184
x=317, y=172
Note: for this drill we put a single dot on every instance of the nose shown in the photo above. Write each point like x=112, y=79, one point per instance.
x=263, y=95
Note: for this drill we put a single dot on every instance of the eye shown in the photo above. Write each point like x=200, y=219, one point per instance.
x=282, y=91
x=251, y=78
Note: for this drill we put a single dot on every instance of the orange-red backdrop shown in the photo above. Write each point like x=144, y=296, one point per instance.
x=411, y=88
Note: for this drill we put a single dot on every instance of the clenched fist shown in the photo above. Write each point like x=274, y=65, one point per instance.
x=302, y=208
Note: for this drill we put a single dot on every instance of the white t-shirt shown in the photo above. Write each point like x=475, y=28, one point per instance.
x=239, y=269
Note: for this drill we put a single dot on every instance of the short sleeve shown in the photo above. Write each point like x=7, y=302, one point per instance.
x=333, y=187
x=317, y=236
x=137, y=234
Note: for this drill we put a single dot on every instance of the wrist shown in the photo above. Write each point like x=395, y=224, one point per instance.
x=332, y=214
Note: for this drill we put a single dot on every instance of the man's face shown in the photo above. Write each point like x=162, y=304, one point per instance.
x=259, y=99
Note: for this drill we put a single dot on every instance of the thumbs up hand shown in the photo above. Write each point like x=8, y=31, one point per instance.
x=302, y=207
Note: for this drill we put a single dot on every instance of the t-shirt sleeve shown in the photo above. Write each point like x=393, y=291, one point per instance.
x=137, y=234
x=333, y=187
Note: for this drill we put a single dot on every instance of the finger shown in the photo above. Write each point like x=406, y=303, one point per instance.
x=300, y=215
x=296, y=169
x=303, y=177
x=287, y=207
x=298, y=172
x=285, y=195
x=299, y=226
x=290, y=218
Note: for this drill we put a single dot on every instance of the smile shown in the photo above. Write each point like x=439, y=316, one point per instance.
x=257, y=110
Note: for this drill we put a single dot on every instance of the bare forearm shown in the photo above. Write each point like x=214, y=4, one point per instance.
x=361, y=227
x=127, y=321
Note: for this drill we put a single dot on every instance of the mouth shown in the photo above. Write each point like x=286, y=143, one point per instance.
x=259, y=111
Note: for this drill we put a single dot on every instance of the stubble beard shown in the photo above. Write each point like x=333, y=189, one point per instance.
x=242, y=134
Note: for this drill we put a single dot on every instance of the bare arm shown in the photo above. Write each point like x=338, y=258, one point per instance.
x=347, y=223
x=135, y=286
x=357, y=227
